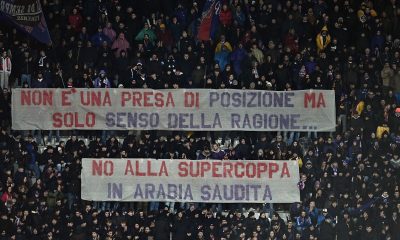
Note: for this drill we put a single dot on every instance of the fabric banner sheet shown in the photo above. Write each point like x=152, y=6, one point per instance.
x=173, y=109
x=175, y=180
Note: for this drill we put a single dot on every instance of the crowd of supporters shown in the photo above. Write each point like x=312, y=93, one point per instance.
x=349, y=181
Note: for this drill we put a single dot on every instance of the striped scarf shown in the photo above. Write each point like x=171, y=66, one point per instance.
x=5, y=64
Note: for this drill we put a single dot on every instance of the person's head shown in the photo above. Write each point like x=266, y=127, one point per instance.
x=324, y=31
x=222, y=38
x=325, y=212
x=215, y=147
x=102, y=75
x=310, y=152
x=260, y=152
x=94, y=234
x=4, y=54
x=303, y=177
x=303, y=214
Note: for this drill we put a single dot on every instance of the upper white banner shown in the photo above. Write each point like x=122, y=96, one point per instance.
x=173, y=109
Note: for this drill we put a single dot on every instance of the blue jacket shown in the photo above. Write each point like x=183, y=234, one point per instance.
x=321, y=219
x=222, y=58
x=41, y=84
x=99, y=38
x=99, y=83
x=303, y=222
x=237, y=56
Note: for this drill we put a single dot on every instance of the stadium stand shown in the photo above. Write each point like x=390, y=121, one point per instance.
x=349, y=178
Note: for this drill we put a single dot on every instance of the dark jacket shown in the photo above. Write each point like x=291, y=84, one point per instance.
x=162, y=230
x=327, y=232
x=342, y=230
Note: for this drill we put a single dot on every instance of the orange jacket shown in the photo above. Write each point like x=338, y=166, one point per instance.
x=321, y=45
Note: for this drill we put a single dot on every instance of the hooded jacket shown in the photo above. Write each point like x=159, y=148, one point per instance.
x=102, y=82
x=323, y=42
x=120, y=44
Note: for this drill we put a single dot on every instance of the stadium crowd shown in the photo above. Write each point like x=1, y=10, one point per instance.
x=349, y=181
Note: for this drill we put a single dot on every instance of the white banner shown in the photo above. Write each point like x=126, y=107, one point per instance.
x=190, y=181
x=175, y=109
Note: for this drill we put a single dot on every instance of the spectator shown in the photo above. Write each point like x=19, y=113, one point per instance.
x=5, y=70
x=39, y=81
x=165, y=38
x=257, y=54
x=237, y=57
x=146, y=31
x=303, y=221
x=109, y=32
x=323, y=39
x=369, y=233
x=225, y=16
x=387, y=73
x=217, y=153
x=239, y=16
x=75, y=20
x=98, y=38
x=102, y=81
x=120, y=44
x=349, y=177
x=327, y=230
x=321, y=217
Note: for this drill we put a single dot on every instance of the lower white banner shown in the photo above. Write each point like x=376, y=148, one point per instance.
x=133, y=180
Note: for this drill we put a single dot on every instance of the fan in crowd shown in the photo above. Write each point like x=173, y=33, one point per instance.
x=349, y=184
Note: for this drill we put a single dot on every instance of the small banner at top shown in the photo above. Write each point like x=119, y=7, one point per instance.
x=173, y=109
x=28, y=16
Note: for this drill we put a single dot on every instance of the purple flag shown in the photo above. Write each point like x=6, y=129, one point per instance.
x=26, y=15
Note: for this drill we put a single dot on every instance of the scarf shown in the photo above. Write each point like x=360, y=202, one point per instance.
x=5, y=64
